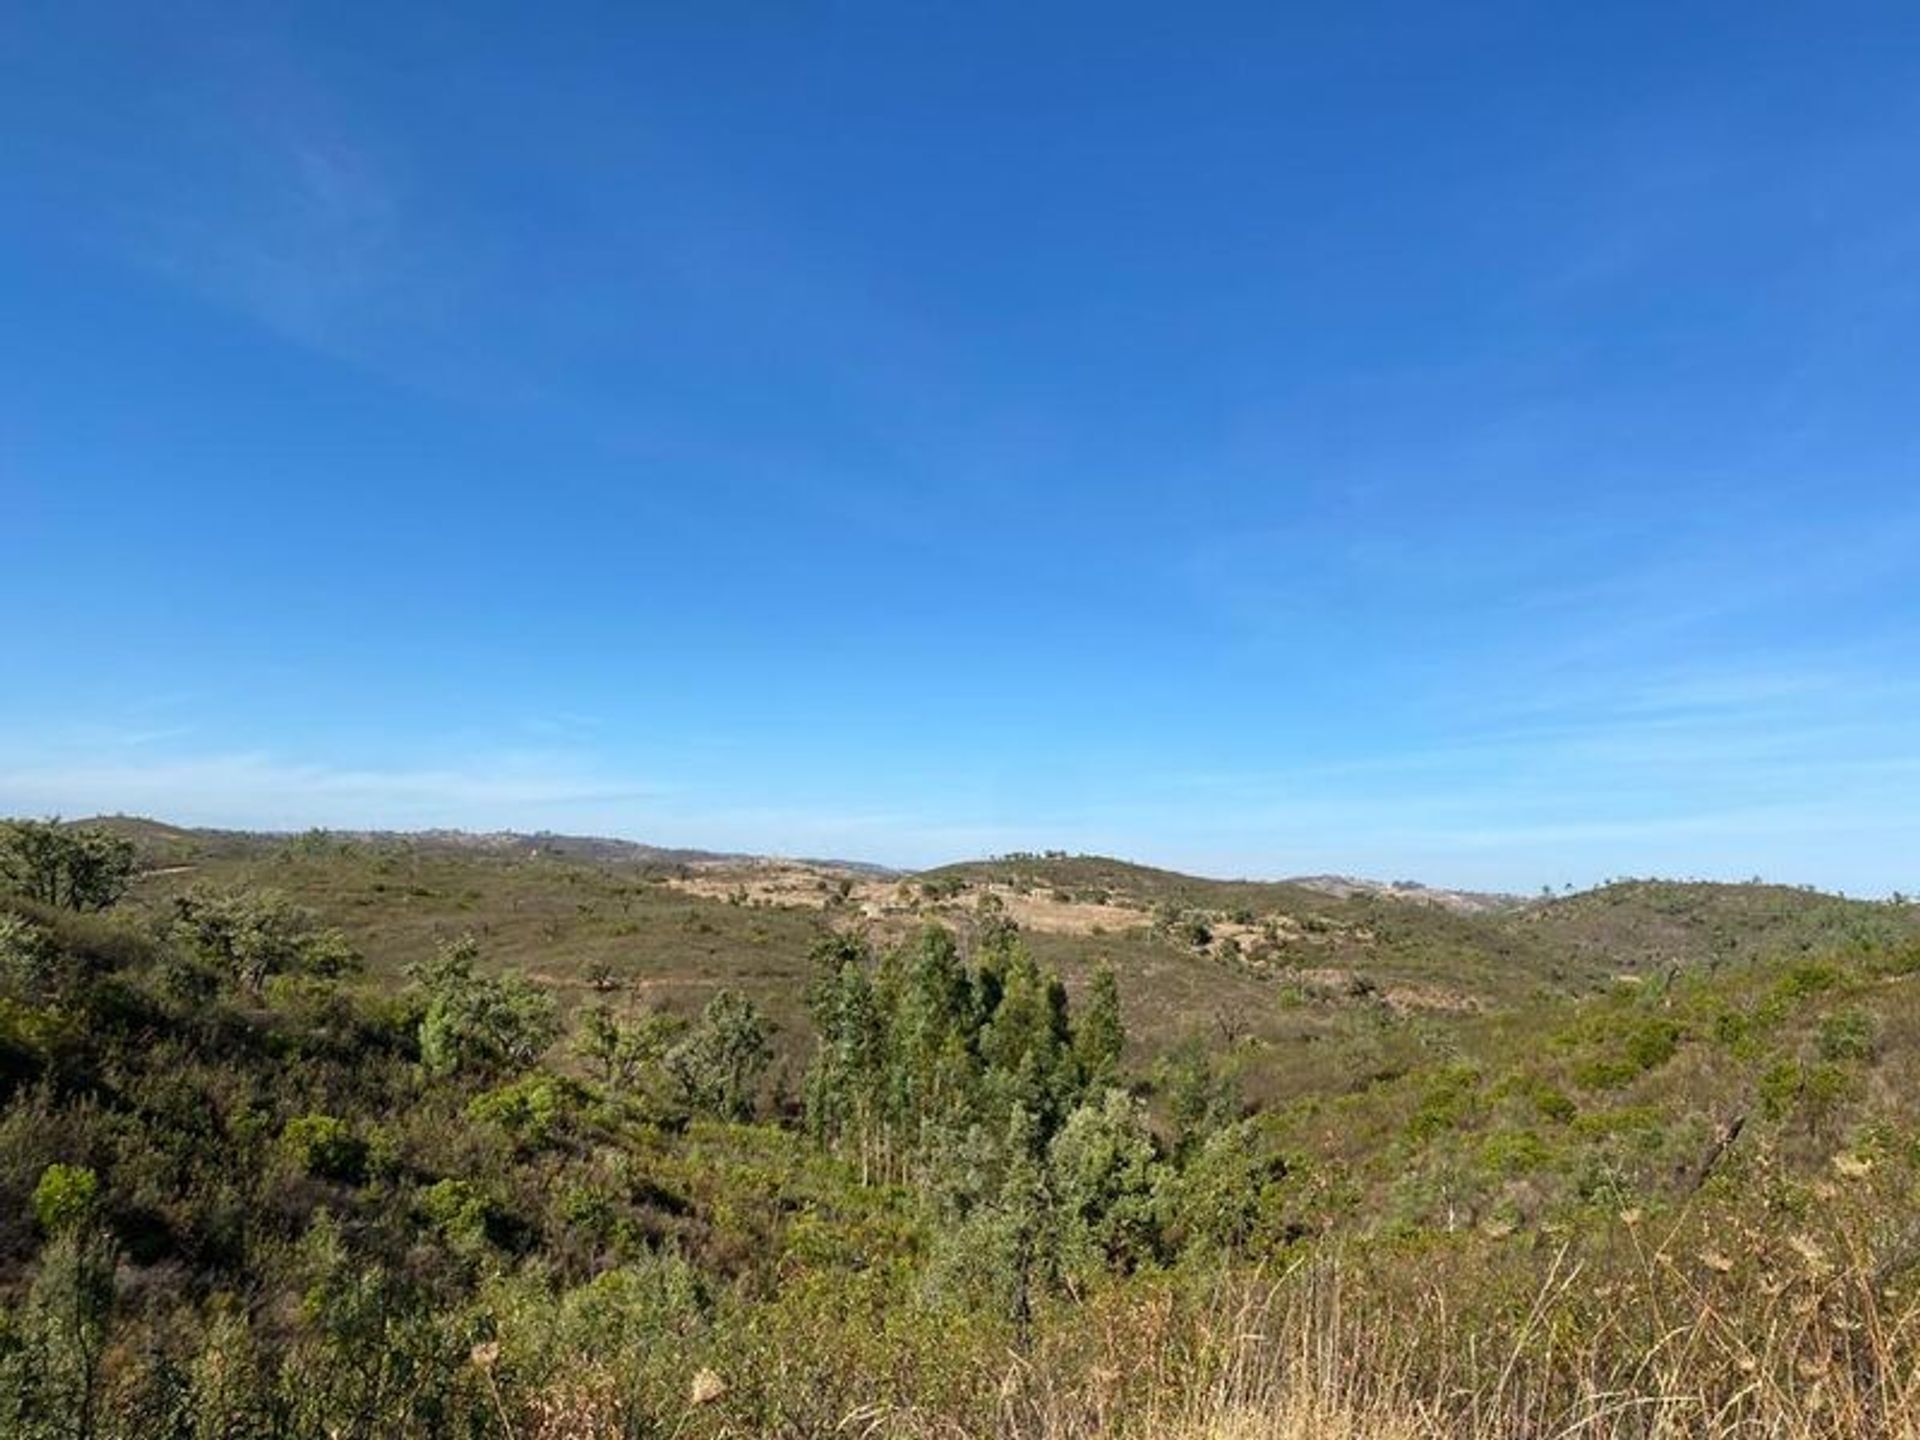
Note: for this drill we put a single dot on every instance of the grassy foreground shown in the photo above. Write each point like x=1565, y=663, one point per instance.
x=1316, y=1353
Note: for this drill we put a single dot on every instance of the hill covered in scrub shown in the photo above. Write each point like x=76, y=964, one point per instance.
x=371, y=1135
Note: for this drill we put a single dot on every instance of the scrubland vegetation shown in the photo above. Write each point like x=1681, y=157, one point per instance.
x=362, y=1139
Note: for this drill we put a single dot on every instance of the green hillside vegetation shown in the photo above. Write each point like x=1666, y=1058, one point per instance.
x=1646, y=926
x=1140, y=882
x=365, y=1138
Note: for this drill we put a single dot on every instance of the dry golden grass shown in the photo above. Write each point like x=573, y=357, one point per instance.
x=1679, y=1351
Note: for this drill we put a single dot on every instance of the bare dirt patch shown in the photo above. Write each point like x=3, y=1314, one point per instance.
x=814, y=887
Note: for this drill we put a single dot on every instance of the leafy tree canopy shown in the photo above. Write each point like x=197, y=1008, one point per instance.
x=72, y=867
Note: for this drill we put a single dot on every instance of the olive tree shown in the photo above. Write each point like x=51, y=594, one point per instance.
x=74, y=867
x=252, y=935
x=480, y=1023
x=719, y=1064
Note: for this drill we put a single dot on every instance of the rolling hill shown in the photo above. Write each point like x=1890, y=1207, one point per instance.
x=1650, y=1145
x=1318, y=985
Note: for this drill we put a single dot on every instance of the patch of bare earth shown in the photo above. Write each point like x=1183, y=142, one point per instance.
x=894, y=906
x=814, y=887
x=1034, y=911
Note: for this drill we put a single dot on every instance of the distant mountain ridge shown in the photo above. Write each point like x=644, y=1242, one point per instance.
x=591, y=849
x=151, y=834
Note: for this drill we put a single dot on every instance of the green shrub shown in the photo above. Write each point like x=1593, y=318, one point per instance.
x=1779, y=1088
x=1645, y=1045
x=1813, y=977
x=1804, y=980
x=1552, y=1102
x=533, y=1110
x=720, y=1061
x=1103, y=1176
x=248, y=937
x=1652, y=1043
x=65, y=1197
x=1732, y=1028
x=483, y=1024
x=73, y=867
x=29, y=959
x=1641, y=1124
x=325, y=1146
x=459, y=1210
x=587, y=1206
x=1827, y=1085
x=1847, y=1035
x=1513, y=1152
x=1233, y=1194
x=1448, y=1100
x=29, y=1036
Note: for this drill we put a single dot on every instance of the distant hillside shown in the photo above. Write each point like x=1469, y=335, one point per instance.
x=163, y=842
x=1143, y=882
x=1644, y=925
x=1323, y=984
x=1472, y=902
x=1097, y=871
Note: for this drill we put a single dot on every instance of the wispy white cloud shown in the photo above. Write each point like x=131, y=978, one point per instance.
x=296, y=226
x=259, y=789
x=1509, y=811
x=523, y=791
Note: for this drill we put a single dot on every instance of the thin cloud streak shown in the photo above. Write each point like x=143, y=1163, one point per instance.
x=256, y=789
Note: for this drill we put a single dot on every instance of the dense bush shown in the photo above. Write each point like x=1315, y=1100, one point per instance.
x=66, y=866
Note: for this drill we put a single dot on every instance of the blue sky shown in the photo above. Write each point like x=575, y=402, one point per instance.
x=1474, y=443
